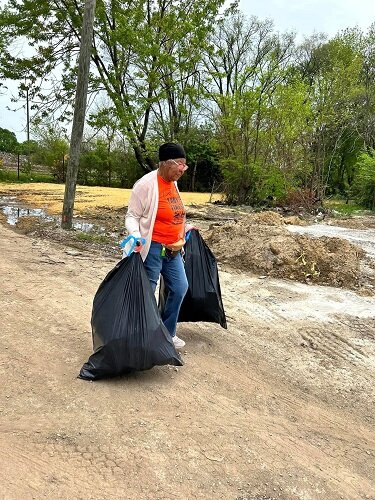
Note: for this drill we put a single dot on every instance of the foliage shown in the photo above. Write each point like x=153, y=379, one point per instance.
x=12, y=176
x=261, y=140
x=363, y=189
x=27, y=167
x=94, y=164
x=260, y=116
x=203, y=160
x=240, y=181
x=8, y=141
x=145, y=58
x=51, y=150
x=99, y=165
x=299, y=198
x=345, y=207
x=27, y=147
x=332, y=71
x=92, y=237
x=308, y=269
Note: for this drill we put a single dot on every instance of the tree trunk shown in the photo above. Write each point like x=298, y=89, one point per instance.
x=142, y=158
x=193, y=176
x=79, y=113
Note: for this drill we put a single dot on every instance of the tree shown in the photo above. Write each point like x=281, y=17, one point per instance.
x=363, y=188
x=332, y=73
x=287, y=133
x=79, y=114
x=203, y=160
x=365, y=44
x=52, y=149
x=8, y=141
x=94, y=164
x=105, y=123
x=245, y=66
x=144, y=58
x=27, y=147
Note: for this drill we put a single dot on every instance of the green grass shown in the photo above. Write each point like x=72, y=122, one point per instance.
x=92, y=237
x=344, y=208
x=12, y=176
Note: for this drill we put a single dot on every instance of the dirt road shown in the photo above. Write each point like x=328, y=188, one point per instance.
x=279, y=406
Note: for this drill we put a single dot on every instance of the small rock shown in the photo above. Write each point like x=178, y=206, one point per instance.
x=73, y=252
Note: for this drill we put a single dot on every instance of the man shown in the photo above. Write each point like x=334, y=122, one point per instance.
x=157, y=214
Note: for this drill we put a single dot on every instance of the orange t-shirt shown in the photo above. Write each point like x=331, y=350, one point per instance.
x=170, y=218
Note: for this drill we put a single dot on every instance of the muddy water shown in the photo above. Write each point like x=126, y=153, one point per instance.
x=13, y=211
x=364, y=238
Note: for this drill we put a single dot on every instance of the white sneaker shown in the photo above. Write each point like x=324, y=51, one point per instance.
x=178, y=343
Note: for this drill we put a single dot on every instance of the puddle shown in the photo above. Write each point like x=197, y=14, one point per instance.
x=364, y=238
x=13, y=211
x=85, y=227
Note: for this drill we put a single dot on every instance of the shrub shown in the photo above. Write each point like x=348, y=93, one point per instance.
x=363, y=188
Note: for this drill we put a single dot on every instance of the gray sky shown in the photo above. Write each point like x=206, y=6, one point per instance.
x=303, y=17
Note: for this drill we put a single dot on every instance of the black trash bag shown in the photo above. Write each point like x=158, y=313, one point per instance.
x=202, y=301
x=127, y=330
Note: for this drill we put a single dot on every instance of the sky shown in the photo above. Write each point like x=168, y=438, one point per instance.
x=301, y=16
x=309, y=16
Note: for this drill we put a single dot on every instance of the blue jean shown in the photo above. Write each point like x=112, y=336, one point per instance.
x=173, y=271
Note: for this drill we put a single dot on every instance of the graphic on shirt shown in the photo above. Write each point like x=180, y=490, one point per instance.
x=177, y=209
x=170, y=216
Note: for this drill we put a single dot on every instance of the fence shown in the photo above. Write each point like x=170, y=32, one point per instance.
x=20, y=163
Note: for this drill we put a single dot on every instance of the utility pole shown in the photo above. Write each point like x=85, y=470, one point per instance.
x=27, y=114
x=79, y=113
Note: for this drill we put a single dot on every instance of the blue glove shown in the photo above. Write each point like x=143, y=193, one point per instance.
x=132, y=244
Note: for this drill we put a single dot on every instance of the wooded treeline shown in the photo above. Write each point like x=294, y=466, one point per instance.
x=260, y=115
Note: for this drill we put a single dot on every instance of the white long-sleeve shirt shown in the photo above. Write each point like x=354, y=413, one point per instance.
x=142, y=209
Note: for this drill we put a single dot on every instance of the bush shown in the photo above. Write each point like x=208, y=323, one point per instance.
x=299, y=198
x=363, y=188
x=8, y=141
x=11, y=176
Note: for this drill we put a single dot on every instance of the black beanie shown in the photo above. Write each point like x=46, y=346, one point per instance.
x=171, y=151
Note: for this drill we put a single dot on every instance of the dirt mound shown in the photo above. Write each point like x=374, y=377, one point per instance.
x=264, y=219
x=295, y=220
x=262, y=244
x=354, y=221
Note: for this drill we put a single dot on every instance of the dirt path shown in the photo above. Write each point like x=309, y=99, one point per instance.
x=279, y=406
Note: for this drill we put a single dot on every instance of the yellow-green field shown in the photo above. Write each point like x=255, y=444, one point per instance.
x=51, y=196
